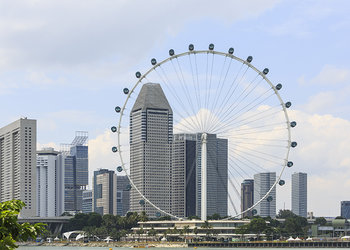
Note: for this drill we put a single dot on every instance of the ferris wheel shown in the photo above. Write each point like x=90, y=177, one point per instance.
x=217, y=93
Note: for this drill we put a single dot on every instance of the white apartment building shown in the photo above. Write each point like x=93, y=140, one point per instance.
x=50, y=183
x=18, y=164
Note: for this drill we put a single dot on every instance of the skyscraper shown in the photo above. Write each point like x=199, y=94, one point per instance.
x=247, y=196
x=105, y=192
x=217, y=175
x=50, y=183
x=87, y=202
x=184, y=175
x=262, y=184
x=123, y=195
x=151, y=134
x=345, y=209
x=76, y=170
x=299, y=194
x=18, y=164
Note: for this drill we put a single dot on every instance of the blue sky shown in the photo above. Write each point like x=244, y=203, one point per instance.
x=65, y=63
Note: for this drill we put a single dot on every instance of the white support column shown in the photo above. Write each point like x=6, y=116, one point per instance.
x=204, y=177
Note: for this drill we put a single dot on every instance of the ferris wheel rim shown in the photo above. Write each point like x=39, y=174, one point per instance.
x=214, y=52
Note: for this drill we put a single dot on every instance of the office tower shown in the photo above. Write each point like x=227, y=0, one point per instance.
x=299, y=194
x=345, y=209
x=75, y=172
x=18, y=164
x=50, y=183
x=262, y=184
x=184, y=175
x=123, y=195
x=217, y=175
x=105, y=192
x=151, y=134
x=247, y=197
x=87, y=202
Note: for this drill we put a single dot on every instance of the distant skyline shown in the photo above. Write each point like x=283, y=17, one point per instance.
x=66, y=63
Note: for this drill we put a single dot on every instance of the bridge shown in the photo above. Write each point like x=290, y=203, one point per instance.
x=54, y=224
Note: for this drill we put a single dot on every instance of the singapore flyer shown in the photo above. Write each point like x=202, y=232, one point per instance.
x=194, y=127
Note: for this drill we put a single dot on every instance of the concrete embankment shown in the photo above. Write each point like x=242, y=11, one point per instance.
x=277, y=244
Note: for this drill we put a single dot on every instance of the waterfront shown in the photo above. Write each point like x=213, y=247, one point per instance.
x=125, y=248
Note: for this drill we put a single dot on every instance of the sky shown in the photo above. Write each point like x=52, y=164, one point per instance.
x=65, y=63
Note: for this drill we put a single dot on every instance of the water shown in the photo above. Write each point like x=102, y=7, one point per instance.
x=126, y=248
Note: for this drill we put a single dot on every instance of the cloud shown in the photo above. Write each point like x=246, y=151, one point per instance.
x=329, y=75
x=322, y=153
x=334, y=98
x=63, y=34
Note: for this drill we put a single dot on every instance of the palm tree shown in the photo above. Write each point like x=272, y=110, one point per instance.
x=207, y=228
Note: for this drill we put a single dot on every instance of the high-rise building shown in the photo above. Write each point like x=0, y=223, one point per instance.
x=105, y=192
x=123, y=195
x=18, y=164
x=299, y=194
x=76, y=170
x=183, y=195
x=87, y=202
x=345, y=209
x=50, y=183
x=247, y=196
x=217, y=175
x=262, y=184
x=151, y=135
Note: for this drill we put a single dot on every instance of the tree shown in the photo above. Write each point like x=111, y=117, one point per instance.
x=95, y=219
x=285, y=213
x=320, y=221
x=207, y=228
x=10, y=230
x=257, y=225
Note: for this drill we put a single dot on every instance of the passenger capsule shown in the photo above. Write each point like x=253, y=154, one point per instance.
x=142, y=202
x=290, y=164
x=293, y=124
x=117, y=109
x=278, y=86
x=266, y=71
x=119, y=168
x=128, y=187
x=114, y=149
x=211, y=46
x=171, y=52
x=269, y=199
x=281, y=182
x=153, y=61
x=114, y=129
x=126, y=91
x=190, y=47
x=231, y=50
x=249, y=59
x=288, y=104
x=294, y=144
x=138, y=74
x=254, y=212
x=157, y=214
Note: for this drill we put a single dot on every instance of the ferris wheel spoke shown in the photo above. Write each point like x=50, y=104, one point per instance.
x=237, y=114
x=256, y=117
x=234, y=159
x=218, y=92
x=185, y=92
x=254, y=155
x=196, y=88
x=178, y=100
x=239, y=100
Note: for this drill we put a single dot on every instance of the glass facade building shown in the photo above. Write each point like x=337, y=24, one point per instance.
x=345, y=209
x=262, y=184
x=299, y=194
